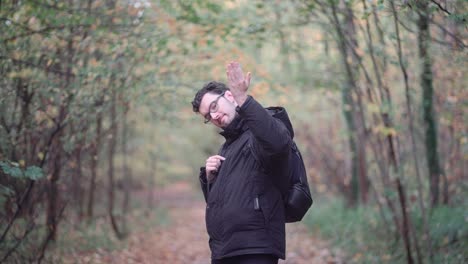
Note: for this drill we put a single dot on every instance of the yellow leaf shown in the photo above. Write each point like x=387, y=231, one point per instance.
x=52, y=111
x=322, y=188
x=24, y=73
x=260, y=89
x=40, y=155
x=373, y=108
x=283, y=100
x=445, y=241
x=463, y=140
x=22, y=163
x=386, y=131
x=390, y=131
x=34, y=23
x=94, y=63
x=357, y=257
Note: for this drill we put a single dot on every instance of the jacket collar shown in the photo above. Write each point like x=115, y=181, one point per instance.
x=234, y=129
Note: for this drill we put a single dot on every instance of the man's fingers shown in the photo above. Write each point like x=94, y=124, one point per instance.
x=247, y=79
x=213, y=162
x=236, y=76
x=215, y=158
x=218, y=157
x=233, y=70
x=211, y=168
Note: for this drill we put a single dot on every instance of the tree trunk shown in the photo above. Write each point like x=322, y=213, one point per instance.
x=79, y=180
x=52, y=188
x=405, y=229
x=76, y=187
x=110, y=170
x=359, y=183
x=94, y=161
x=284, y=50
x=384, y=93
x=127, y=177
x=412, y=133
x=352, y=45
x=57, y=144
x=430, y=125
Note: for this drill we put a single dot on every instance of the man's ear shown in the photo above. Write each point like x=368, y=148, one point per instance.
x=229, y=96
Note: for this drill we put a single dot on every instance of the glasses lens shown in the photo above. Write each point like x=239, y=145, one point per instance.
x=214, y=105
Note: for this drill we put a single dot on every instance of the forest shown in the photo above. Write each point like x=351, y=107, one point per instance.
x=100, y=149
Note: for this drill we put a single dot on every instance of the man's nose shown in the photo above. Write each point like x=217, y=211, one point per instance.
x=215, y=115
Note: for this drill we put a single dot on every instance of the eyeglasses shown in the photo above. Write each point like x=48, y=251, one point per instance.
x=212, y=109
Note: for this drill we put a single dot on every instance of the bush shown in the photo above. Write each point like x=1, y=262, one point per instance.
x=362, y=233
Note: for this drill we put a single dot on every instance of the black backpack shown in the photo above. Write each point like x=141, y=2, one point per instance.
x=290, y=175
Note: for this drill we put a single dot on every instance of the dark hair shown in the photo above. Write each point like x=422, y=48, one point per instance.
x=211, y=87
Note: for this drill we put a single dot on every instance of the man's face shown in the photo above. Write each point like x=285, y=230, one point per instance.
x=223, y=108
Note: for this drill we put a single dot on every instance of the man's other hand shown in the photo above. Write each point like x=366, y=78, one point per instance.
x=212, y=165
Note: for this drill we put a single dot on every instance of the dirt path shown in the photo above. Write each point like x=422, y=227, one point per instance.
x=185, y=239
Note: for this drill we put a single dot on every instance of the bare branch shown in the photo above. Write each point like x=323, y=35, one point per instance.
x=18, y=242
x=438, y=41
x=31, y=64
x=441, y=7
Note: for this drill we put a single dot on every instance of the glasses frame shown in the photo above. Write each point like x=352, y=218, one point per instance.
x=213, y=108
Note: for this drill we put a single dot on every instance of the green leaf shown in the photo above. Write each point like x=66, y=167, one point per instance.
x=213, y=7
x=13, y=171
x=33, y=173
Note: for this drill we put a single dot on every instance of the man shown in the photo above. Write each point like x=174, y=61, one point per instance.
x=245, y=211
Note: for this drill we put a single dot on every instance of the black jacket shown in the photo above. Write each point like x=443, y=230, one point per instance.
x=245, y=211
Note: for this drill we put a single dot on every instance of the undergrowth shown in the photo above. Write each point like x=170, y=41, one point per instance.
x=366, y=238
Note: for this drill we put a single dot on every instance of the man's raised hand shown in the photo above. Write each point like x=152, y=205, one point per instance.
x=237, y=81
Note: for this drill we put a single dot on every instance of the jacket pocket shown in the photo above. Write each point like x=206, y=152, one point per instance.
x=213, y=220
x=272, y=206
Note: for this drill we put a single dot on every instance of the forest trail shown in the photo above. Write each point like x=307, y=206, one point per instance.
x=185, y=241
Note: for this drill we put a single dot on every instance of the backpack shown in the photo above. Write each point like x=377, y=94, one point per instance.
x=290, y=175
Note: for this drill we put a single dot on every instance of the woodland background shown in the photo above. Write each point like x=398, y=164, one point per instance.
x=95, y=117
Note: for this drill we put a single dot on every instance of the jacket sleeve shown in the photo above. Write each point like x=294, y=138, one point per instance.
x=270, y=134
x=204, y=183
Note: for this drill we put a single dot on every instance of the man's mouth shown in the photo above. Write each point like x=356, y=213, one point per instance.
x=223, y=119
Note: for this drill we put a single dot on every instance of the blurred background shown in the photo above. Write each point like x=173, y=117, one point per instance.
x=96, y=120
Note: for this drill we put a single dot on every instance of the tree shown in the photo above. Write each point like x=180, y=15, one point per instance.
x=430, y=126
